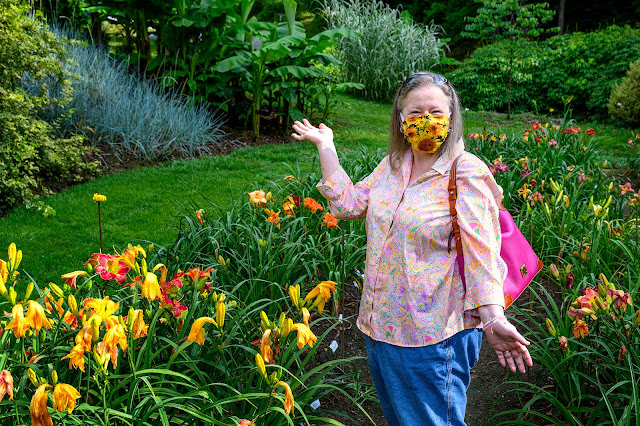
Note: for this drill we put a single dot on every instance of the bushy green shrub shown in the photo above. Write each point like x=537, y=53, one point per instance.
x=624, y=102
x=32, y=157
x=389, y=49
x=582, y=65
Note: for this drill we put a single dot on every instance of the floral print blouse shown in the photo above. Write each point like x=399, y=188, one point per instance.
x=413, y=294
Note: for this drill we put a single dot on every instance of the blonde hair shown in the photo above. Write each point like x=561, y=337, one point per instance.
x=397, y=142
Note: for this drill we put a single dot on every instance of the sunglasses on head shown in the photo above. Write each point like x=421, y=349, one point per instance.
x=437, y=78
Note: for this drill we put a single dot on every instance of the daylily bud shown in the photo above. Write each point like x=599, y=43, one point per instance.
x=150, y=248
x=3, y=290
x=294, y=295
x=610, y=187
x=554, y=271
x=89, y=284
x=12, y=296
x=42, y=381
x=262, y=243
x=281, y=320
x=121, y=320
x=261, y=367
x=32, y=377
x=286, y=328
x=143, y=263
x=54, y=377
x=606, y=282
x=95, y=330
x=221, y=261
x=12, y=255
x=214, y=296
x=264, y=320
x=57, y=291
x=551, y=328
x=43, y=335
x=18, y=260
x=636, y=319
x=73, y=305
x=600, y=303
x=273, y=378
x=608, y=202
x=131, y=319
x=28, y=292
x=220, y=314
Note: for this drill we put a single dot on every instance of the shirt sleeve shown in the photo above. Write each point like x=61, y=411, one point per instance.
x=346, y=200
x=478, y=198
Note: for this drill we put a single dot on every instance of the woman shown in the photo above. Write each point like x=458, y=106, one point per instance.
x=420, y=325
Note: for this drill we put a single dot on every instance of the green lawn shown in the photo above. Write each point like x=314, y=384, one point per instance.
x=142, y=204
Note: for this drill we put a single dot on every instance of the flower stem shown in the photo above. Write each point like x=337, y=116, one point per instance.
x=100, y=225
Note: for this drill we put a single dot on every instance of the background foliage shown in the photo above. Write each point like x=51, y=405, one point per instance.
x=582, y=65
x=33, y=156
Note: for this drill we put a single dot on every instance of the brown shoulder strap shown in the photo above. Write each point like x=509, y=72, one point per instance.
x=453, y=196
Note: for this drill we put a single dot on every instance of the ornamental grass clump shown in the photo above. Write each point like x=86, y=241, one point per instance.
x=126, y=112
x=390, y=47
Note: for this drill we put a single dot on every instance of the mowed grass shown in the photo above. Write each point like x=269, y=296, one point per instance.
x=143, y=205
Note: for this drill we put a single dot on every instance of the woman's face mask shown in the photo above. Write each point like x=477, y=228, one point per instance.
x=426, y=132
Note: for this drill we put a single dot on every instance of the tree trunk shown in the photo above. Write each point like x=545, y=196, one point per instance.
x=561, y=17
x=510, y=80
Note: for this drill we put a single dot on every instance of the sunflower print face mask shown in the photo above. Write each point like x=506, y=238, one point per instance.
x=425, y=132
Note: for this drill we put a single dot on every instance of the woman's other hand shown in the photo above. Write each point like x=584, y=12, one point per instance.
x=321, y=136
x=510, y=345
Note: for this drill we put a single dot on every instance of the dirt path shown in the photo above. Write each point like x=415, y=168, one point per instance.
x=485, y=377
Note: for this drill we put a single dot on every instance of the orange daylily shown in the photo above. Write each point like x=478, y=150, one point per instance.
x=273, y=217
x=257, y=197
x=322, y=292
x=19, y=324
x=581, y=329
x=564, y=343
x=48, y=300
x=115, y=336
x=6, y=384
x=71, y=277
x=288, y=397
x=329, y=220
x=36, y=316
x=288, y=208
x=39, y=412
x=64, y=397
x=265, y=347
x=76, y=357
x=199, y=215
x=140, y=329
x=245, y=422
x=197, y=332
x=312, y=205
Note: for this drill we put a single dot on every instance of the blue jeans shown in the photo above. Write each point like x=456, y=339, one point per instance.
x=425, y=385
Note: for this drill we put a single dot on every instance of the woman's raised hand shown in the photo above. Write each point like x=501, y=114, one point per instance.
x=320, y=136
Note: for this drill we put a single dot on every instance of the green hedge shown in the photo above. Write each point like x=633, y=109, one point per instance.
x=582, y=65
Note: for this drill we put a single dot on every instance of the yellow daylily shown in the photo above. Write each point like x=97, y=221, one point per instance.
x=197, y=332
x=288, y=397
x=76, y=357
x=103, y=308
x=39, y=412
x=115, y=336
x=99, y=198
x=305, y=335
x=322, y=293
x=64, y=397
x=19, y=324
x=36, y=316
x=305, y=316
x=150, y=287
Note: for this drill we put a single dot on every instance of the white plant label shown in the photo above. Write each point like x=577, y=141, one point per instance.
x=334, y=346
x=315, y=404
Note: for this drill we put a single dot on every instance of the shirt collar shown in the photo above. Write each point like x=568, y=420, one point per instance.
x=443, y=164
